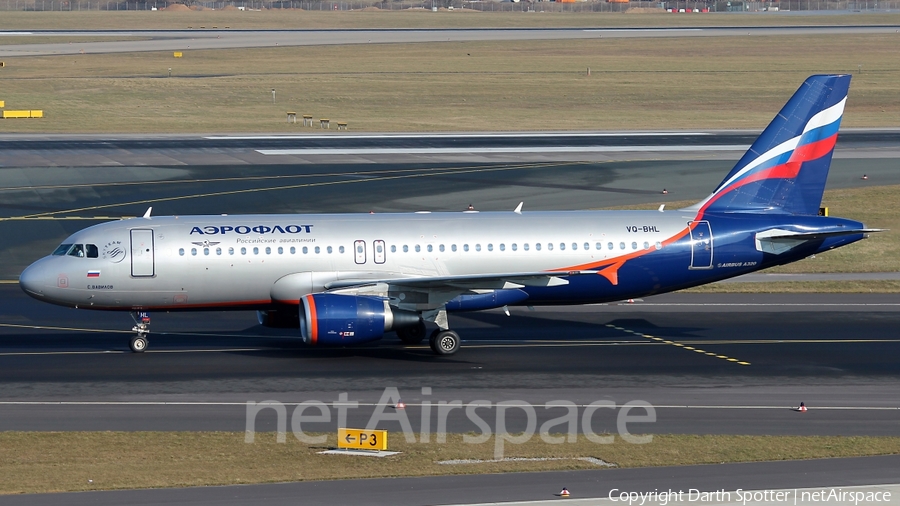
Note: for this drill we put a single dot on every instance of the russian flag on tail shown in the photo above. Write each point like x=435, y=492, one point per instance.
x=785, y=169
x=93, y=274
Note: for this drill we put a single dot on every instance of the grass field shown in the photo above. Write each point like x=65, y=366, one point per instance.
x=33, y=462
x=710, y=83
x=300, y=19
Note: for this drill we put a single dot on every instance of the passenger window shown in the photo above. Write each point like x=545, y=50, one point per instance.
x=341, y=249
x=514, y=247
x=77, y=251
x=549, y=246
x=405, y=248
x=280, y=250
x=621, y=245
x=329, y=250
x=441, y=248
x=537, y=246
x=62, y=249
x=587, y=246
x=490, y=247
x=646, y=245
x=658, y=245
x=525, y=246
x=418, y=248
x=256, y=251
x=92, y=251
x=293, y=250
x=465, y=247
x=453, y=248
x=599, y=246
x=562, y=246
x=219, y=251
x=318, y=250
x=305, y=250
x=610, y=246
x=634, y=245
x=393, y=248
x=574, y=246
x=268, y=250
x=430, y=248
x=231, y=251
x=193, y=252
x=502, y=247
x=181, y=251
x=206, y=251
x=243, y=251
x=477, y=247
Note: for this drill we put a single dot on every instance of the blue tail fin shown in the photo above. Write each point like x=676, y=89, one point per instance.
x=785, y=169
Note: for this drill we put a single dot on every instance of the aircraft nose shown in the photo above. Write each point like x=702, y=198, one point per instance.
x=30, y=280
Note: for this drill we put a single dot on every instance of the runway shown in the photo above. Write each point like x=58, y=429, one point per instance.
x=708, y=364
x=197, y=39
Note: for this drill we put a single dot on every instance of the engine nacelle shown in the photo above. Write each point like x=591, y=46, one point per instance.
x=330, y=319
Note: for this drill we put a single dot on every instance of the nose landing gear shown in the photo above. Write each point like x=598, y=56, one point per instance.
x=140, y=342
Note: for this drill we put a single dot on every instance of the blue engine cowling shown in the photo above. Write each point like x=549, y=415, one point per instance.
x=329, y=319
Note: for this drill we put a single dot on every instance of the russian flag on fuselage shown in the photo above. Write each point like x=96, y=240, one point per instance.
x=786, y=167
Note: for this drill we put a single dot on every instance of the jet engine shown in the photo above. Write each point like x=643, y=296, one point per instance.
x=330, y=319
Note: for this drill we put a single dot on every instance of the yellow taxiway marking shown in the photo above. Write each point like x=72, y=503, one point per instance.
x=418, y=174
x=681, y=345
x=124, y=352
x=250, y=178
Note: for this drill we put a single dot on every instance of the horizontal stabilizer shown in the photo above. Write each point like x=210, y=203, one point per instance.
x=778, y=241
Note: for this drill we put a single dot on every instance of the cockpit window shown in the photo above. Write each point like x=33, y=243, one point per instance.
x=77, y=251
x=92, y=251
x=62, y=249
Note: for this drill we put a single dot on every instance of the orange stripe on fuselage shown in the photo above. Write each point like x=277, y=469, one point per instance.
x=611, y=266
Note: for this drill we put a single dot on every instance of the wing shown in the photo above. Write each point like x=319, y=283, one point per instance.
x=433, y=292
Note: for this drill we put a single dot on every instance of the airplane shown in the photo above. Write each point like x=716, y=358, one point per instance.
x=346, y=279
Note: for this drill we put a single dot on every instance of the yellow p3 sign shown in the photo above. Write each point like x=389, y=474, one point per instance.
x=358, y=439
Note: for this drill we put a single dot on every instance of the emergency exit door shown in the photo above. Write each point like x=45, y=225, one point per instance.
x=142, y=261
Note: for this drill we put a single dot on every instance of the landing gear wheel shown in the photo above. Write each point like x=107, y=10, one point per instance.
x=139, y=344
x=412, y=335
x=444, y=342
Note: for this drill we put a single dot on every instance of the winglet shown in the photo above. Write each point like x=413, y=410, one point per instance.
x=662, y=208
x=519, y=208
x=147, y=214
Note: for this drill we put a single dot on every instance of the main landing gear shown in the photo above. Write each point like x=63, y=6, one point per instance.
x=140, y=342
x=444, y=342
x=412, y=335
